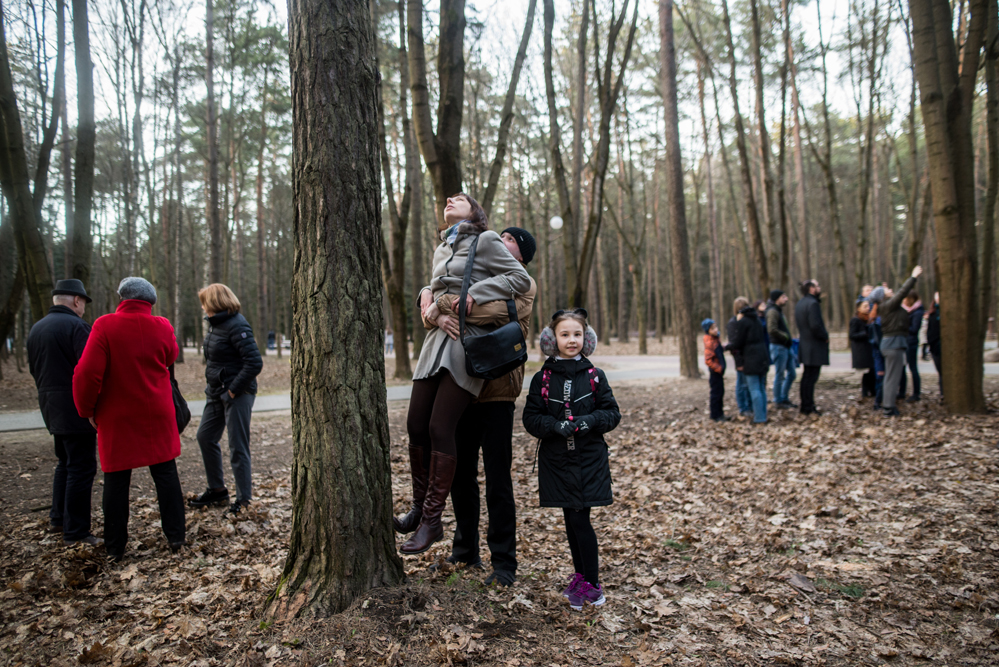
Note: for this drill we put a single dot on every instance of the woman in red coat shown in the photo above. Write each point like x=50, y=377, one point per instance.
x=122, y=384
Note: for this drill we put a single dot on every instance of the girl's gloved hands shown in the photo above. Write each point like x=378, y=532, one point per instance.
x=584, y=423
x=565, y=428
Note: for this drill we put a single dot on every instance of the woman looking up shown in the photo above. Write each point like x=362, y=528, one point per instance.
x=442, y=389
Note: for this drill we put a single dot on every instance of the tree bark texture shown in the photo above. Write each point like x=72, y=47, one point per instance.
x=86, y=139
x=682, y=291
x=946, y=88
x=342, y=543
x=441, y=150
x=992, y=130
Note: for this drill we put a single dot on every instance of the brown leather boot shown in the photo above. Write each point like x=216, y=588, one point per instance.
x=441, y=475
x=410, y=521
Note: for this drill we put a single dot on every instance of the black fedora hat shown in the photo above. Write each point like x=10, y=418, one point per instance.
x=72, y=287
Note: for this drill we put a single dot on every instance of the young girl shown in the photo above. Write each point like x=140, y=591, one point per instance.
x=569, y=408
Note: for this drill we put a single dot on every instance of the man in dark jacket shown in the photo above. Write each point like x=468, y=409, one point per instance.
x=814, y=346
x=487, y=424
x=748, y=342
x=55, y=345
x=780, y=349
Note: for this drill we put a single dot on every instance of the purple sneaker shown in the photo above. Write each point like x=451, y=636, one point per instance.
x=573, y=583
x=586, y=594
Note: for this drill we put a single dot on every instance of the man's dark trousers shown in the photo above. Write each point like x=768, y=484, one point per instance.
x=716, y=382
x=73, y=482
x=809, y=378
x=489, y=427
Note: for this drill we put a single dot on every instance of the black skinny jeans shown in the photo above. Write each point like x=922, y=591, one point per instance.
x=582, y=544
x=168, y=495
x=489, y=427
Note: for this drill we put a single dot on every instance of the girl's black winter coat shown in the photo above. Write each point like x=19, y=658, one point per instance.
x=581, y=477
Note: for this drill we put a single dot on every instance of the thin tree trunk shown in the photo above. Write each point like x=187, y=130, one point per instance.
x=86, y=138
x=683, y=295
x=342, y=543
x=580, y=116
x=992, y=131
x=262, y=319
x=506, y=115
x=752, y=218
x=766, y=157
x=217, y=260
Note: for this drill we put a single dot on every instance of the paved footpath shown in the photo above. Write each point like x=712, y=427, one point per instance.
x=618, y=368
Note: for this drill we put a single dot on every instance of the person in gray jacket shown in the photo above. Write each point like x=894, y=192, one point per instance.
x=894, y=342
x=442, y=388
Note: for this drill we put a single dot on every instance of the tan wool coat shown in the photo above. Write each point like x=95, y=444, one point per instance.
x=496, y=275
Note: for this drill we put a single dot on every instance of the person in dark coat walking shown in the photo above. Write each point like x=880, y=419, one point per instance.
x=914, y=307
x=750, y=343
x=814, y=346
x=860, y=348
x=233, y=363
x=569, y=409
x=55, y=345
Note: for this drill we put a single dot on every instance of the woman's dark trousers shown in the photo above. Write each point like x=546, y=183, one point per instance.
x=489, y=427
x=73, y=483
x=809, y=378
x=716, y=383
x=168, y=495
x=869, y=383
x=219, y=415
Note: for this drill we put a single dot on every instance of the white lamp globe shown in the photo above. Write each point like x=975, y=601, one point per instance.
x=555, y=222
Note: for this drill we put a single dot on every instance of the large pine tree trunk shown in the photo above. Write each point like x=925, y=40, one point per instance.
x=682, y=292
x=342, y=543
x=946, y=86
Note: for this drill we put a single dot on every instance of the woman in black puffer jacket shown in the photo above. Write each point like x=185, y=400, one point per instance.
x=233, y=363
x=748, y=342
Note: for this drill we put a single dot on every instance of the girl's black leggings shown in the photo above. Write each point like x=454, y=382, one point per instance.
x=582, y=544
x=435, y=406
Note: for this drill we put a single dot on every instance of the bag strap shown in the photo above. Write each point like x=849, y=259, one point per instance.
x=172, y=379
x=465, y=282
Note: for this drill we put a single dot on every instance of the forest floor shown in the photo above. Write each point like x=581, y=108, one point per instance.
x=846, y=539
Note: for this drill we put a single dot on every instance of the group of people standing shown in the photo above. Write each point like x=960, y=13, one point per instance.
x=107, y=392
x=759, y=337
x=453, y=414
x=884, y=340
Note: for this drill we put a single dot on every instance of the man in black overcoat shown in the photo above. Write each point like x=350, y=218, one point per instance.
x=813, y=350
x=55, y=345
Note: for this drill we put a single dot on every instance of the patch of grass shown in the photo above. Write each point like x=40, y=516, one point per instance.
x=686, y=558
x=677, y=546
x=454, y=576
x=854, y=591
x=716, y=584
x=792, y=550
x=264, y=625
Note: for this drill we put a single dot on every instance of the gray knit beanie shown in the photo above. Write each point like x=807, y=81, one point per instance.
x=137, y=288
x=877, y=295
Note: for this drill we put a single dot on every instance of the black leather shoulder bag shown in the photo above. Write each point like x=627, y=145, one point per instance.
x=494, y=354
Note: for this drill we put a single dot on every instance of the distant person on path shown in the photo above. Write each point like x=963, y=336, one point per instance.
x=232, y=364
x=742, y=398
x=55, y=345
x=895, y=327
x=814, y=344
x=487, y=424
x=914, y=307
x=569, y=408
x=122, y=384
x=714, y=359
x=748, y=340
x=779, y=334
x=442, y=387
x=389, y=342
x=933, y=336
x=860, y=348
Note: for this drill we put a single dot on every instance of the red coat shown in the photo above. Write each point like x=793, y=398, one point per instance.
x=123, y=381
